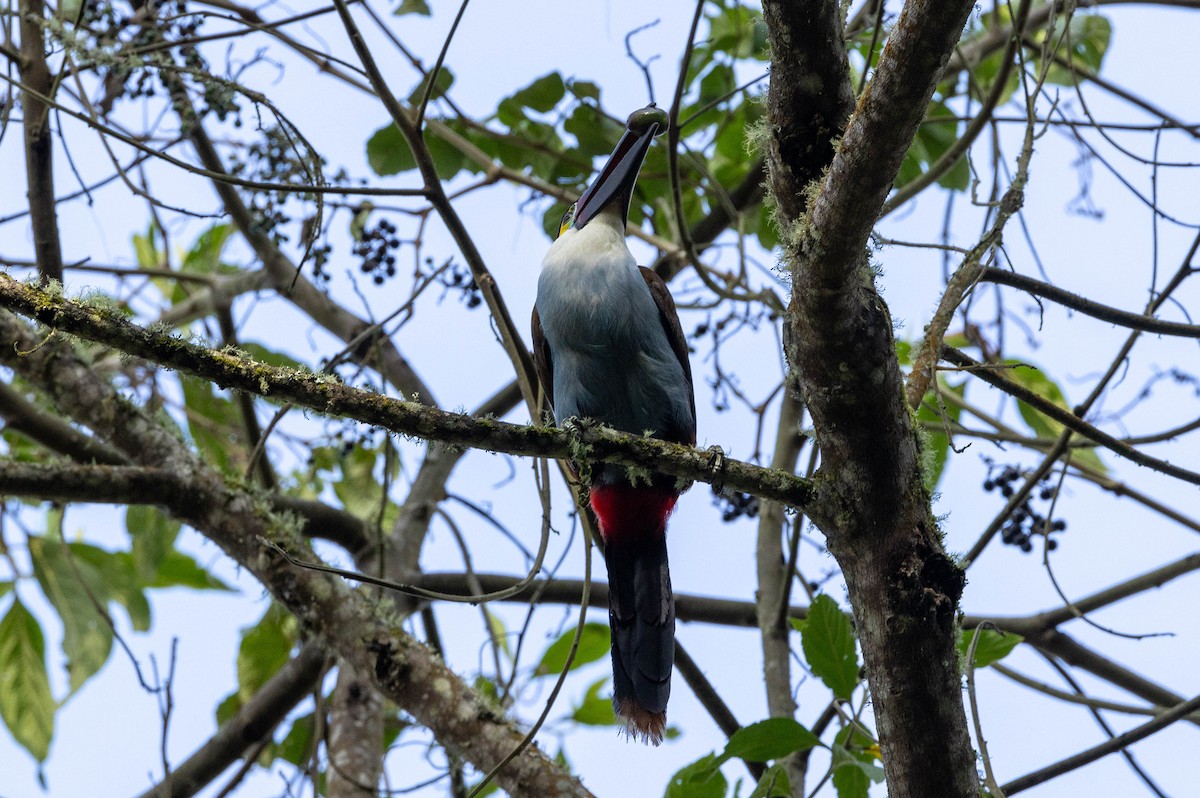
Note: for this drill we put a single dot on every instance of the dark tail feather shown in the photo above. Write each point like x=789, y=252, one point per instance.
x=641, y=614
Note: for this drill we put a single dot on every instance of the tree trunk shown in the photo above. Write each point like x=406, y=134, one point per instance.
x=872, y=504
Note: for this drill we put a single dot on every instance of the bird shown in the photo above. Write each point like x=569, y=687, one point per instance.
x=609, y=348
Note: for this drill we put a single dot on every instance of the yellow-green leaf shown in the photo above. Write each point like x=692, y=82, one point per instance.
x=153, y=533
x=265, y=648
x=26, y=705
x=78, y=593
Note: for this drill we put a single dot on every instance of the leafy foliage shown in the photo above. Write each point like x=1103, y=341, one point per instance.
x=771, y=739
x=827, y=638
x=547, y=136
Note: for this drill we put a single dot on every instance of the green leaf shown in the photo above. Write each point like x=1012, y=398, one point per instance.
x=510, y=113
x=594, y=642
x=768, y=233
x=412, y=7
x=388, y=153
x=20, y=448
x=701, y=779
x=153, y=533
x=1031, y=377
x=933, y=139
x=145, y=249
x=448, y=160
x=360, y=489
x=497, y=631
x=180, y=570
x=773, y=784
x=78, y=593
x=5, y=587
x=739, y=31
x=543, y=94
x=1084, y=44
x=205, y=255
x=769, y=739
x=296, y=746
x=584, y=89
x=988, y=70
x=716, y=83
x=828, y=643
x=853, y=772
x=850, y=782
x=595, y=710
x=445, y=79
x=228, y=707
x=120, y=579
x=993, y=645
x=594, y=132
x=214, y=424
x=1035, y=379
x=265, y=648
x=26, y=705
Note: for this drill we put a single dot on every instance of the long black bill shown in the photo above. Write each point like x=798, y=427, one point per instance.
x=618, y=176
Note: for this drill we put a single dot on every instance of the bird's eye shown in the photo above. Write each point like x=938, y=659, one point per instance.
x=567, y=220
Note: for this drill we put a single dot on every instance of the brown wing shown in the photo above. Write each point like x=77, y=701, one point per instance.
x=541, y=359
x=670, y=323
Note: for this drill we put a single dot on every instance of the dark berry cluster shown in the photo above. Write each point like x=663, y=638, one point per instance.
x=735, y=505
x=1025, y=521
x=376, y=247
x=101, y=19
x=708, y=326
x=342, y=442
x=347, y=440
x=320, y=257
x=458, y=278
x=277, y=157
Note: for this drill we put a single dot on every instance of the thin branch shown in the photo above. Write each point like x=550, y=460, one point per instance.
x=1074, y=653
x=518, y=354
x=253, y=722
x=132, y=484
x=431, y=78
x=36, y=84
x=979, y=122
x=1118, y=743
x=52, y=431
x=711, y=700
x=1074, y=698
x=1121, y=318
x=1066, y=418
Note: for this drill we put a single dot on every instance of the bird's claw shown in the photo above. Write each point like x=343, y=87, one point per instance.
x=716, y=467
x=577, y=425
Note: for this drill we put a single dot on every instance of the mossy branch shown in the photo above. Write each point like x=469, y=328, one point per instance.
x=231, y=368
